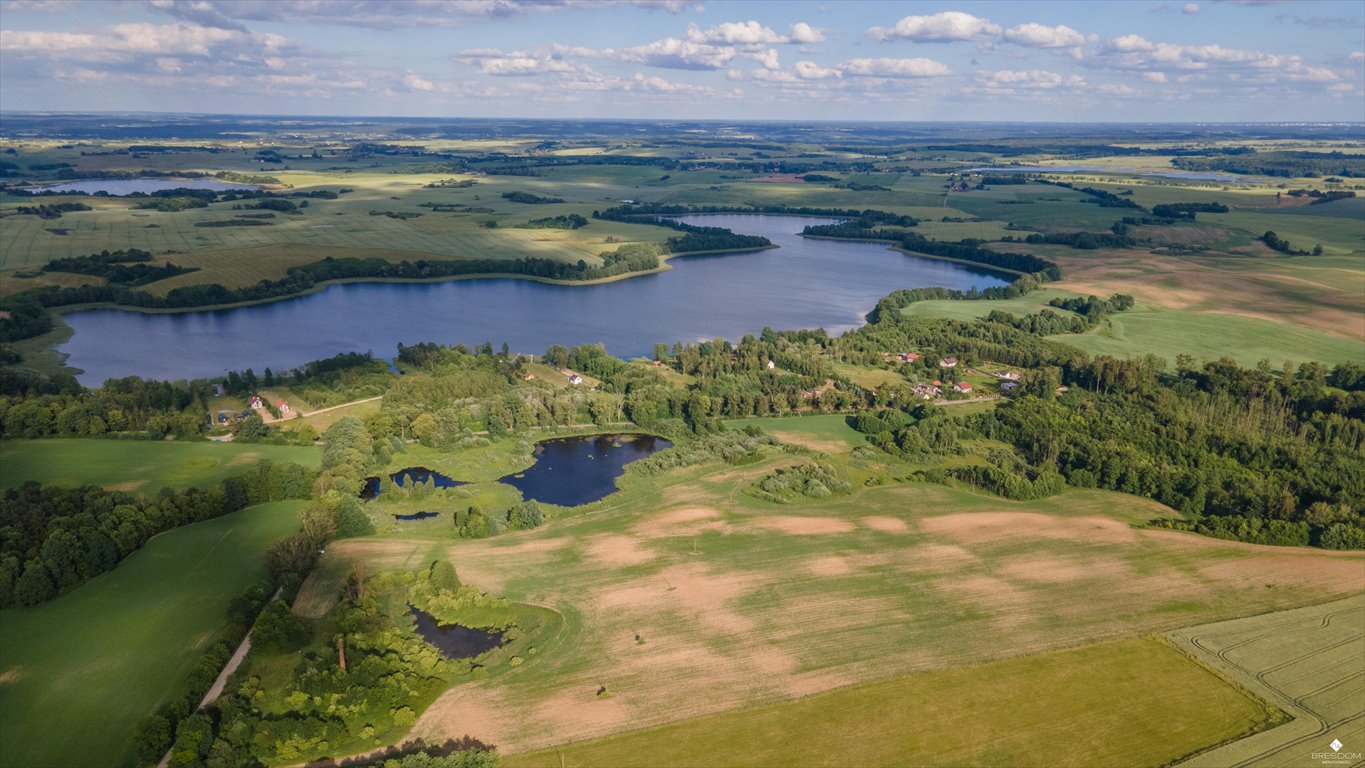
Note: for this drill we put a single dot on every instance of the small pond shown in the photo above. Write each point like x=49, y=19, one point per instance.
x=417, y=516
x=119, y=187
x=455, y=641
x=409, y=475
x=570, y=471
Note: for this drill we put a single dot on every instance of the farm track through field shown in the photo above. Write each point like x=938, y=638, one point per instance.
x=1302, y=637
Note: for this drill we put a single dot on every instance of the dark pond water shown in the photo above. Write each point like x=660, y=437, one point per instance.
x=409, y=475
x=577, y=470
x=417, y=516
x=455, y=641
x=147, y=186
x=801, y=284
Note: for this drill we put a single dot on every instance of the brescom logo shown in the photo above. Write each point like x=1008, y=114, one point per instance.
x=1336, y=756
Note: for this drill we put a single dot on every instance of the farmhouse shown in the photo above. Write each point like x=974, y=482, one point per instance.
x=256, y=403
x=575, y=379
x=282, y=407
x=910, y=357
x=1007, y=375
x=962, y=386
x=1009, y=386
x=948, y=362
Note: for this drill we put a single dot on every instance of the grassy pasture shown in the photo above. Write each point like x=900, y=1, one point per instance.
x=1323, y=294
x=1029, y=304
x=1133, y=702
x=740, y=602
x=328, y=416
x=136, y=465
x=829, y=433
x=1038, y=206
x=1349, y=208
x=1338, y=235
x=1310, y=662
x=77, y=674
x=1210, y=335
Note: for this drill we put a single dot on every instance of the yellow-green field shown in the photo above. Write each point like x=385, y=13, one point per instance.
x=1309, y=662
x=1132, y=703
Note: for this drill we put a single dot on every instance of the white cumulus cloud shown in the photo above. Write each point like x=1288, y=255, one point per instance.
x=805, y=33
x=735, y=33
x=416, y=82
x=894, y=68
x=672, y=53
x=809, y=70
x=945, y=27
x=1033, y=35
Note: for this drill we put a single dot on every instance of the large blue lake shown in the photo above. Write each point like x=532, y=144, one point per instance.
x=119, y=187
x=801, y=284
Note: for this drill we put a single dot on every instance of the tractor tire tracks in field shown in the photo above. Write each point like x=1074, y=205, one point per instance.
x=1317, y=640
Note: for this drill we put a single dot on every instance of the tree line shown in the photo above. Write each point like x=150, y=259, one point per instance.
x=53, y=539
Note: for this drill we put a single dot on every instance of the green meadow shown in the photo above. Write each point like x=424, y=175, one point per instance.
x=1210, y=336
x=136, y=465
x=79, y=673
x=827, y=432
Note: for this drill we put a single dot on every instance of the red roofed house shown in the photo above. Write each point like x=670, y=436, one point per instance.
x=282, y=407
x=963, y=386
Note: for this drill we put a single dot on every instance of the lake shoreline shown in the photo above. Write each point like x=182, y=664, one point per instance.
x=792, y=282
x=664, y=266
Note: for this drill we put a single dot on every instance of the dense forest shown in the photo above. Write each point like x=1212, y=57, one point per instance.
x=54, y=539
x=1310, y=165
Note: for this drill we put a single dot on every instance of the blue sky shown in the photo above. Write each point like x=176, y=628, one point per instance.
x=1122, y=60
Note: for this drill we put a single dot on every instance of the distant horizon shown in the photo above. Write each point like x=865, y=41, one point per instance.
x=1218, y=61
x=553, y=118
